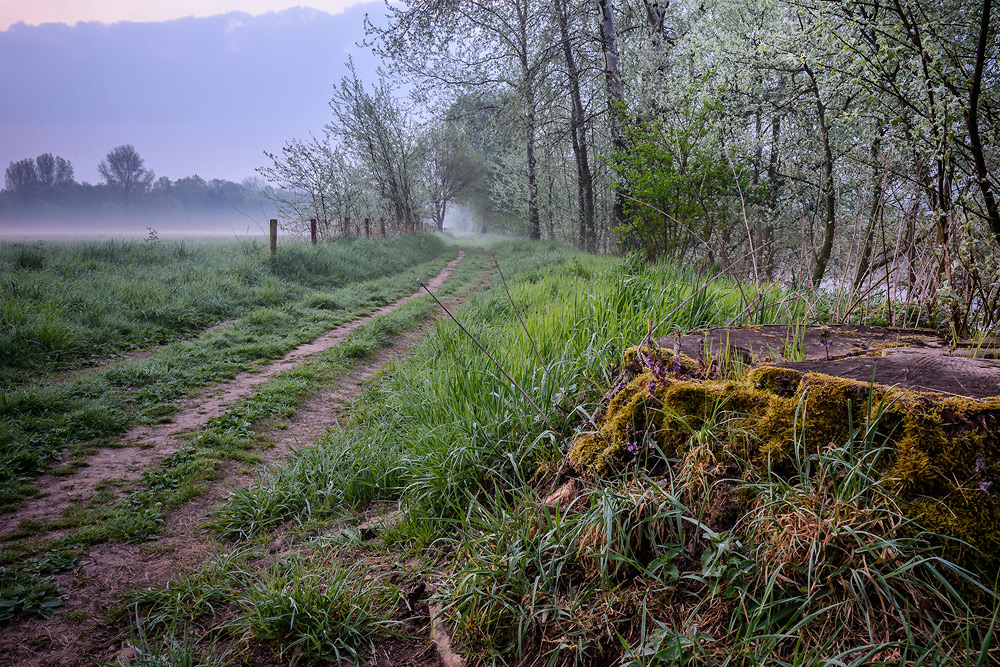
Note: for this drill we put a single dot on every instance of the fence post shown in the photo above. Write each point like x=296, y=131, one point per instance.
x=368, y=228
x=312, y=230
x=274, y=237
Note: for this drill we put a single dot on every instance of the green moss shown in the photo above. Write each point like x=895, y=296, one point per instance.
x=945, y=451
x=780, y=381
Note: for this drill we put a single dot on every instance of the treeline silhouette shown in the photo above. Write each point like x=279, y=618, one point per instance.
x=45, y=187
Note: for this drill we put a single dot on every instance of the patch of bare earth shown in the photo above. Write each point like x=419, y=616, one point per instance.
x=78, y=635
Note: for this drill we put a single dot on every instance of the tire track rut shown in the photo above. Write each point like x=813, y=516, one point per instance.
x=147, y=444
x=78, y=635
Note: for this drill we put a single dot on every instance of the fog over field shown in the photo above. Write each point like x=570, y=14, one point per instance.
x=195, y=95
x=86, y=228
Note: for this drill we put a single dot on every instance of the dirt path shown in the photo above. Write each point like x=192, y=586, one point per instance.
x=78, y=636
x=152, y=443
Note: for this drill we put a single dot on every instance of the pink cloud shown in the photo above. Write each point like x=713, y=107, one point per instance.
x=36, y=12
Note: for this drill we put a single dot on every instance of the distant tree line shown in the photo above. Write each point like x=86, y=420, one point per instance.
x=45, y=187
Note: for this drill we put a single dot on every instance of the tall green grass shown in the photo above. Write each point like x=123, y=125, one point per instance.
x=706, y=562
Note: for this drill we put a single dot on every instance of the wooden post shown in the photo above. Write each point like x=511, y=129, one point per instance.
x=368, y=228
x=274, y=237
x=312, y=230
x=347, y=226
x=381, y=222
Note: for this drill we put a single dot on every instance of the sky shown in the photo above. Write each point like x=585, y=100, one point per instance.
x=35, y=12
x=202, y=95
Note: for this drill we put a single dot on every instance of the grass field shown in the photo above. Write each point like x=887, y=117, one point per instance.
x=65, y=307
x=692, y=554
x=62, y=305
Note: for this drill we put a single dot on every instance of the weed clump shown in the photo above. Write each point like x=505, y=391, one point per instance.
x=27, y=594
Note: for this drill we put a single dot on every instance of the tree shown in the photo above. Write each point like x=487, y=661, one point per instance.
x=615, y=92
x=459, y=47
x=53, y=170
x=124, y=172
x=578, y=133
x=377, y=130
x=309, y=174
x=452, y=167
x=682, y=196
x=21, y=179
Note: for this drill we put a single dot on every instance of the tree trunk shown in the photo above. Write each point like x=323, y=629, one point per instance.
x=439, y=216
x=775, y=182
x=656, y=13
x=992, y=212
x=534, y=224
x=615, y=95
x=827, y=189
x=585, y=179
x=865, y=256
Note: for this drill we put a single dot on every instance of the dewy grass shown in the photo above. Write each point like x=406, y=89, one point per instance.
x=62, y=304
x=307, y=607
x=207, y=591
x=234, y=436
x=692, y=560
x=334, y=615
x=42, y=419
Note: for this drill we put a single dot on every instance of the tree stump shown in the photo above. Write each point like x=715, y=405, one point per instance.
x=930, y=405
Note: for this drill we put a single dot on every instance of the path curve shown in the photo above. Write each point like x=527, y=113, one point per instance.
x=152, y=443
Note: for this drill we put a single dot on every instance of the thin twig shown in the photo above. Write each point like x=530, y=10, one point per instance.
x=746, y=221
x=490, y=357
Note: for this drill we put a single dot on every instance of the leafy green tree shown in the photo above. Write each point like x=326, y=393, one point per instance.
x=124, y=172
x=21, y=179
x=681, y=195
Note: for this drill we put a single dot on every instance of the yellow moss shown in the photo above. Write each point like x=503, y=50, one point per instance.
x=937, y=445
x=586, y=452
x=828, y=407
x=780, y=381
